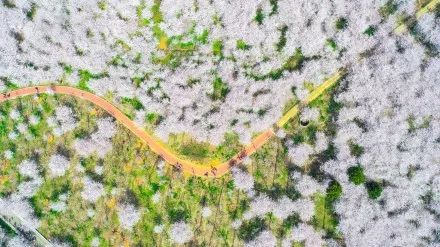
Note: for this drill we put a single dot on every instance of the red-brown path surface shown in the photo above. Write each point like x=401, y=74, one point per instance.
x=155, y=145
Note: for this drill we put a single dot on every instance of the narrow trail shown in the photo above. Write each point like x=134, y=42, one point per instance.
x=157, y=146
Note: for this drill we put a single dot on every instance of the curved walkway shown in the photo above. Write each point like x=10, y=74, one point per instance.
x=156, y=145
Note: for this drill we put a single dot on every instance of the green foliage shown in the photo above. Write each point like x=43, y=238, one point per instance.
x=178, y=213
x=334, y=191
x=3, y=128
x=306, y=135
x=282, y=40
x=291, y=221
x=341, y=23
x=5, y=226
x=436, y=11
x=195, y=150
x=229, y=147
x=220, y=89
x=217, y=48
x=251, y=229
x=156, y=12
x=331, y=43
x=274, y=7
x=203, y=37
x=374, y=189
x=259, y=16
x=241, y=45
x=295, y=61
x=356, y=150
x=9, y=3
x=102, y=5
x=9, y=84
x=85, y=76
x=370, y=31
x=68, y=69
x=153, y=118
x=389, y=8
x=356, y=174
x=30, y=14
x=134, y=102
x=324, y=218
x=50, y=190
x=142, y=22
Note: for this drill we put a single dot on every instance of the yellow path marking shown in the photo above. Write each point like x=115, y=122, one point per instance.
x=315, y=94
x=428, y=8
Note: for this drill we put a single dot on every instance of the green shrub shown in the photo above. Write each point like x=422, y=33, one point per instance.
x=259, y=16
x=9, y=3
x=134, y=102
x=274, y=7
x=241, y=45
x=290, y=222
x=250, y=229
x=374, y=189
x=356, y=174
x=102, y=5
x=217, y=48
x=334, y=191
x=370, y=31
x=356, y=150
x=282, y=41
x=220, y=89
x=295, y=61
x=178, y=213
x=331, y=43
x=3, y=128
x=389, y=8
x=341, y=23
x=30, y=14
x=153, y=118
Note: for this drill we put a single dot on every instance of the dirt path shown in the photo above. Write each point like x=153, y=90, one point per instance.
x=157, y=146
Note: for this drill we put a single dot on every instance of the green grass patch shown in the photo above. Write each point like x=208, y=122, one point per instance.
x=229, y=147
x=217, y=48
x=9, y=84
x=189, y=147
x=85, y=76
x=153, y=118
x=323, y=218
x=134, y=102
x=241, y=45
x=157, y=15
x=220, y=89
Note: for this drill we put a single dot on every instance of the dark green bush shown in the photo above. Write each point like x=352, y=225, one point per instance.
x=356, y=174
x=374, y=189
x=250, y=229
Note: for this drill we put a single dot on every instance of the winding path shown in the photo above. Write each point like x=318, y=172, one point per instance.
x=156, y=145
